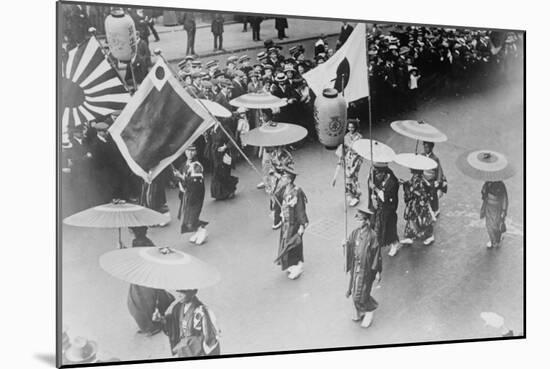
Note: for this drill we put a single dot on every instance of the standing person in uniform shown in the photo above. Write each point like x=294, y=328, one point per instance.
x=190, y=27
x=364, y=265
x=295, y=221
x=191, y=195
x=384, y=189
x=494, y=210
x=280, y=25
x=437, y=179
x=255, y=25
x=217, y=31
x=144, y=301
x=190, y=326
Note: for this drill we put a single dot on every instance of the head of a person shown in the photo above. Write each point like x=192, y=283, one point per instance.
x=139, y=232
x=330, y=52
x=428, y=147
x=380, y=170
x=352, y=125
x=301, y=69
x=268, y=72
x=417, y=172
x=187, y=79
x=191, y=152
x=101, y=129
x=267, y=115
x=364, y=217
x=185, y=296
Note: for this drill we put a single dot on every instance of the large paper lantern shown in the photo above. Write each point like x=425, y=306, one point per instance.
x=330, y=118
x=121, y=35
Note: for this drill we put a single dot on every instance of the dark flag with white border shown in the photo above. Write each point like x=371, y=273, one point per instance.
x=159, y=123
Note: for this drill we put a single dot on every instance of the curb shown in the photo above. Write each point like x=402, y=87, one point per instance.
x=252, y=47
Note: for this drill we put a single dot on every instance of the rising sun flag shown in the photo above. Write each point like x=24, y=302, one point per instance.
x=90, y=87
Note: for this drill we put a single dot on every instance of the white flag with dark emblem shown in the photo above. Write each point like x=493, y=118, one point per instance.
x=159, y=122
x=347, y=69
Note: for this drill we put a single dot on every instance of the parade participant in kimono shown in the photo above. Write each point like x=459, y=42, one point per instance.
x=191, y=194
x=144, y=301
x=418, y=215
x=384, y=189
x=494, y=210
x=364, y=265
x=190, y=326
x=438, y=182
x=153, y=195
x=223, y=185
x=295, y=221
x=278, y=159
x=352, y=163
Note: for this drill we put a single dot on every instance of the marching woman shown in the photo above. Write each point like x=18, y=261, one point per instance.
x=494, y=210
x=352, y=163
x=223, y=184
x=295, y=221
x=142, y=301
x=364, y=265
x=418, y=192
x=191, y=186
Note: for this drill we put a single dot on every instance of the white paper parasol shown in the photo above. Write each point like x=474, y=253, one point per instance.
x=258, y=101
x=163, y=268
x=274, y=134
x=215, y=109
x=418, y=130
x=415, y=161
x=381, y=153
x=485, y=165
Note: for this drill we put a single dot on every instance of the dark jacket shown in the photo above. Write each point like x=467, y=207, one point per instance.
x=217, y=25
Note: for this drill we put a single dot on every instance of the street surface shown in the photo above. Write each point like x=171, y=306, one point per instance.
x=427, y=293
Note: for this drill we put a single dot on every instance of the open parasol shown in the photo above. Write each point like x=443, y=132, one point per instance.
x=418, y=130
x=274, y=134
x=164, y=268
x=258, y=101
x=117, y=214
x=215, y=109
x=485, y=165
x=415, y=161
x=381, y=152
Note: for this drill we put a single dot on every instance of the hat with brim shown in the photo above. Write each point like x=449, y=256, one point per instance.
x=189, y=57
x=415, y=161
x=268, y=66
x=244, y=58
x=211, y=63
x=81, y=351
x=182, y=64
x=101, y=126
x=281, y=77
x=485, y=165
x=196, y=75
x=261, y=55
x=232, y=59
x=224, y=82
x=364, y=208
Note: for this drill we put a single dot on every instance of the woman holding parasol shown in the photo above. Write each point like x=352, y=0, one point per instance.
x=492, y=168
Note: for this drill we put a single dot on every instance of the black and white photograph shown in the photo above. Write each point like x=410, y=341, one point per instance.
x=238, y=183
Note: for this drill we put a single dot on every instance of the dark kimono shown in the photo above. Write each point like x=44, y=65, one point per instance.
x=191, y=197
x=418, y=212
x=153, y=195
x=223, y=183
x=293, y=211
x=142, y=301
x=363, y=262
x=385, y=216
x=437, y=181
x=191, y=332
x=494, y=209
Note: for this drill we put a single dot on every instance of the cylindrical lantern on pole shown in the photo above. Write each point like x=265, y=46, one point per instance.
x=121, y=35
x=330, y=118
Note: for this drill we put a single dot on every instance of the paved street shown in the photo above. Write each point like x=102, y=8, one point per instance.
x=426, y=293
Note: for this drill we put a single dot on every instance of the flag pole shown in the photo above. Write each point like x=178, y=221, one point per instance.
x=158, y=52
x=345, y=183
x=370, y=117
